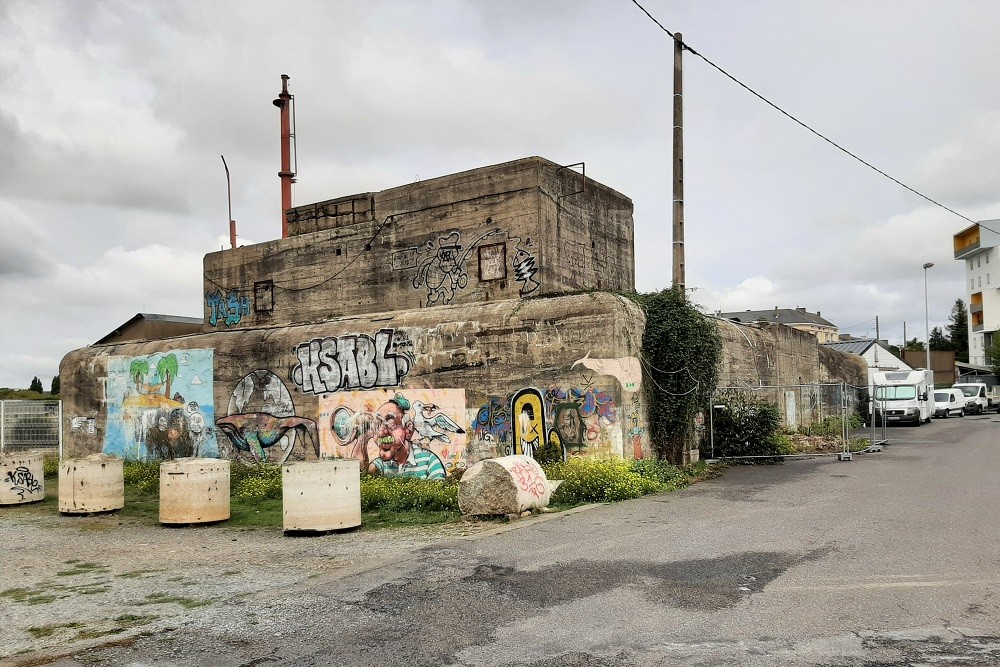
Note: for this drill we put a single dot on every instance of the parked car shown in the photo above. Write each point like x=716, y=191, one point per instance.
x=948, y=402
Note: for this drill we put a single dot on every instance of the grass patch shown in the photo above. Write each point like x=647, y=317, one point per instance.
x=30, y=595
x=259, y=514
x=166, y=598
x=135, y=574
x=389, y=519
x=79, y=567
x=42, y=631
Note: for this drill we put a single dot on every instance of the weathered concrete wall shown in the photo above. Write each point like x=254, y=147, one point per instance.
x=775, y=355
x=475, y=380
x=790, y=369
x=524, y=228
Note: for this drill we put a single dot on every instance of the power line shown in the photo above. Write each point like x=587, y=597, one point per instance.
x=771, y=104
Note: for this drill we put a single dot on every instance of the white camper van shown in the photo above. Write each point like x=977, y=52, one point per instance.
x=903, y=397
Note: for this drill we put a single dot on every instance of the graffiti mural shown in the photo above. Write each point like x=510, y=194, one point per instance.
x=406, y=433
x=627, y=370
x=591, y=411
x=229, y=309
x=327, y=365
x=261, y=425
x=636, y=429
x=443, y=272
x=160, y=406
x=528, y=411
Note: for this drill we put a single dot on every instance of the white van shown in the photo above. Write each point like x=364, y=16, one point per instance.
x=903, y=396
x=977, y=399
x=948, y=402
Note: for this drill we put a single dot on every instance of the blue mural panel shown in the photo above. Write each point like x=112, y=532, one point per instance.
x=161, y=406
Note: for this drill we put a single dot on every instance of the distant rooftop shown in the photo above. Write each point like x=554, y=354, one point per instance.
x=786, y=316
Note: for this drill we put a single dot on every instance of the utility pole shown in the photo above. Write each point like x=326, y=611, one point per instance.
x=678, y=209
x=876, y=341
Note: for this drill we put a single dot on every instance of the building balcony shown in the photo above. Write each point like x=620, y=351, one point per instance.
x=968, y=250
x=976, y=307
x=977, y=327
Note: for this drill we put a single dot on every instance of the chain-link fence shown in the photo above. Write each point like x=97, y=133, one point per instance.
x=821, y=419
x=30, y=425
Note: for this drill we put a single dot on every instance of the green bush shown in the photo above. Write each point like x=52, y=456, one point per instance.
x=595, y=480
x=550, y=452
x=402, y=494
x=144, y=476
x=252, y=484
x=50, y=466
x=832, y=426
x=748, y=426
x=659, y=471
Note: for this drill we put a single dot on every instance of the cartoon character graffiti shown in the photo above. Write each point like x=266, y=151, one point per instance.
x=529, y=411
x=432, y=424
x=412, y=435
x=443, y=272
x=398, y=456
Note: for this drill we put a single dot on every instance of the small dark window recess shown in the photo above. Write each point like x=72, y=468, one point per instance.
x=263, y=296
x=337, y=251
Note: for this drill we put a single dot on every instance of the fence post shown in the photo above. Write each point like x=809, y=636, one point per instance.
x=60, y=431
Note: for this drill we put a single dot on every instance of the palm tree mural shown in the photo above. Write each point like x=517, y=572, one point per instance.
x=166, y=368
x=137, y=370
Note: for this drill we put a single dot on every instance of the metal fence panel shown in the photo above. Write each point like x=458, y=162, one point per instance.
x=29, y=425
x=802, y=406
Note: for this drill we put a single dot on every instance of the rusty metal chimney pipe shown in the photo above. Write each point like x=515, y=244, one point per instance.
x=287, y=176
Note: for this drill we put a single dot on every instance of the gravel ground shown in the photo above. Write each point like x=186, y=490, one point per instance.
x=70, y=583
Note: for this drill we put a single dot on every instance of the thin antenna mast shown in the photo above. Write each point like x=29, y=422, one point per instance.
x=229, y=194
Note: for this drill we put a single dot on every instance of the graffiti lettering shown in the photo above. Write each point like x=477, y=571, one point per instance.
x=326, y=365
x=528, y=479
x=230, y=309
x=23, y=481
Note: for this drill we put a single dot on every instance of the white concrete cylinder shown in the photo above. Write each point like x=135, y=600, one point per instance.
x=22, y=477
x=321, y=495
x=194, y=490
x=92, y=484
x=504, y=485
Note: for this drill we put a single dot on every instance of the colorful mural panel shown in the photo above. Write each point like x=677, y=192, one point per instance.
x=406, y=432
x=160, y=406
x=261, y=424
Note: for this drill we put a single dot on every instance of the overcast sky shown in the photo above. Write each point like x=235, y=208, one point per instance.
x=113, y=116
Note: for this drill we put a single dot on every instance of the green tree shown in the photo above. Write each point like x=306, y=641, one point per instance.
x=939, y=341
x=958, y=330
x=36, y=385
x=137, y=370
x=914, y=344
x=993, y=355
x=166, y=368
x=55, y=386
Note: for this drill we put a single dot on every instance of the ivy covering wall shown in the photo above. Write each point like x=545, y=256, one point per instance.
x=681, y=354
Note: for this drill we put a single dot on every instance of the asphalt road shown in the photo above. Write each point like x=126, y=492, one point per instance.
x=889, y=559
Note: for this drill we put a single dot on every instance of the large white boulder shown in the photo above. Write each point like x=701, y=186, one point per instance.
x=504, y=485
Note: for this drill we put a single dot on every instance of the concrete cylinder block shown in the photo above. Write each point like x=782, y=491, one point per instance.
x=321, y=495
x=22, y=477
x=95, y=483
x=504, y=485
x=194, y=490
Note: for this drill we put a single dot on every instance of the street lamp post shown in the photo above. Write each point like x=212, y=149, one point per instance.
x=927, y=319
